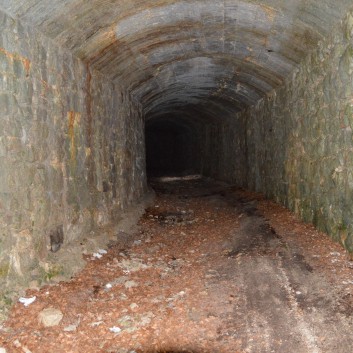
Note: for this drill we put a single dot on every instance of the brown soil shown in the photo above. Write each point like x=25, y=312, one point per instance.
x=212, y=269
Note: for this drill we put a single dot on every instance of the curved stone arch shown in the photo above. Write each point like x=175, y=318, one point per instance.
x=233, y=85
x=132, y=41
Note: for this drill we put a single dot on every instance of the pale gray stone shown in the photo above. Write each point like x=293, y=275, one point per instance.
x=50, y=317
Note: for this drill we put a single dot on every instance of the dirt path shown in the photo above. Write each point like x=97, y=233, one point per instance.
x=213, y=269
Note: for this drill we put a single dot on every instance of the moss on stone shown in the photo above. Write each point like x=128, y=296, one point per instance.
x=349, y=27
x=4, y=270
x=53, y=271
x=5, y=300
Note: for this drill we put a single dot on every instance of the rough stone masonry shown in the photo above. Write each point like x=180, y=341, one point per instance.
x=298, y=141
x=71, y=154
x=263, y=89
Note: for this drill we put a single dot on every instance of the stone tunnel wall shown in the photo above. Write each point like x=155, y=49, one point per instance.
x=299, y=143
x=223, y=150
x=71, y=153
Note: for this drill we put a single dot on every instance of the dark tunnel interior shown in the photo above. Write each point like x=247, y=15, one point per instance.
x=171, y=148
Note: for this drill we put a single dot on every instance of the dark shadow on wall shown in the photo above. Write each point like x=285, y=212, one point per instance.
x=171, y=148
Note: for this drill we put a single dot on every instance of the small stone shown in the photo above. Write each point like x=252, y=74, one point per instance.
x=50, y=317
x=70, y=328
x=335, y=253
x=115, y=329
x=96, y=324
x=133, y=306
x=130, y=284
x=146, y=319
x=2, y=350
x=123, y=297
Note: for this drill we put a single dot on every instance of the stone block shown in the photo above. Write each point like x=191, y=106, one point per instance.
x=50, y=317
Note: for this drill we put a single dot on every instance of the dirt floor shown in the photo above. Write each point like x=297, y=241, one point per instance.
x=212, y=269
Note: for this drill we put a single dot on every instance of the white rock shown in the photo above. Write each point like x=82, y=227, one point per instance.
x=335, y=253
x=97, y=255
x=2, y=350
x=50, y=317
x=115, y=329
x=102, y=251
x=27, y=301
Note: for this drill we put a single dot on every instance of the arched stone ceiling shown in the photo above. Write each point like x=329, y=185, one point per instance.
x=216, y=56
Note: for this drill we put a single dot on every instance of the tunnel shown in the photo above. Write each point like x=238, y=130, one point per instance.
x=172, y=147
x=97, y=97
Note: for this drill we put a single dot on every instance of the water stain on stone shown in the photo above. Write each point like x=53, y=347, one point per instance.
x=17, y=57
x=73, y=121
